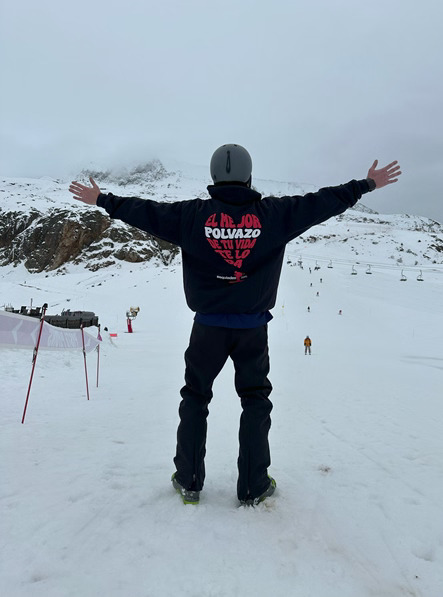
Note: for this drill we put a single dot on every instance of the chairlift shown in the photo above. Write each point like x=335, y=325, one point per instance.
x=354, y=271
x=420, y=277
x=330, y=265
x=368, y=271
x=403, y=278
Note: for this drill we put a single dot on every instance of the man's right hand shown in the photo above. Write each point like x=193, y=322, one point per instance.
x=384, y=176
x=85, y=194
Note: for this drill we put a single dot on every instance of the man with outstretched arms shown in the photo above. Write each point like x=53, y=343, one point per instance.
x=232, y=247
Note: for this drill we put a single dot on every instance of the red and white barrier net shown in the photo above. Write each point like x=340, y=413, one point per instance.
x=19, y=331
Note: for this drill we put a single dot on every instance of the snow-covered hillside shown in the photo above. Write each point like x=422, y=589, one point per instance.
x=358, y=237
x=87, y=507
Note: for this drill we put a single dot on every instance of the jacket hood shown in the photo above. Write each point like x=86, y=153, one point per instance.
x=233, y=194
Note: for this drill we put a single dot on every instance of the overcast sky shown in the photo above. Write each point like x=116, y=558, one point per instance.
x=314, y=89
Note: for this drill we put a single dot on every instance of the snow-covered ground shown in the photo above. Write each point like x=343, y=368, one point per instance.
x=87, y=508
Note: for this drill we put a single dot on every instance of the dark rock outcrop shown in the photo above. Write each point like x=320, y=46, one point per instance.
x=47, y=241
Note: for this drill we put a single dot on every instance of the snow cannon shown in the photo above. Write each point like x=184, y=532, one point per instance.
x=130, y=315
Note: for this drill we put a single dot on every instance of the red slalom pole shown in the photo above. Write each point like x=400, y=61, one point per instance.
x=84, y=356
x=98, y=362
x=98, y=353
x=34, y=358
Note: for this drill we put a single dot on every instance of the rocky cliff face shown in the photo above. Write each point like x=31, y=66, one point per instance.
x=48, y=241
x=46, y=238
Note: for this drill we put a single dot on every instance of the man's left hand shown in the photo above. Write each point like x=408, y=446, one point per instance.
x=85, y=194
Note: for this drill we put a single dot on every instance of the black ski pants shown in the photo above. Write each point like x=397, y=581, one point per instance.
x=208, y=351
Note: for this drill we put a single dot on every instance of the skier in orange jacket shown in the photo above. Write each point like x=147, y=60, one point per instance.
x=307, y=344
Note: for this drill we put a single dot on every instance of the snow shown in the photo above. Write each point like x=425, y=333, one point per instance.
x=357, y=450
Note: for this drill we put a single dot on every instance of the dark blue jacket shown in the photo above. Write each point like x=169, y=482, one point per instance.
x=233, y=243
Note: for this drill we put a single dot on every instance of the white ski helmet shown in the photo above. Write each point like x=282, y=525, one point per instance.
x=231, y=163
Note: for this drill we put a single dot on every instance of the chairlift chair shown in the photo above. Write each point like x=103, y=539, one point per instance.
x=420, y=277
x=330, y=265
x=403, y=278
x=368, y=271
x=354, y=271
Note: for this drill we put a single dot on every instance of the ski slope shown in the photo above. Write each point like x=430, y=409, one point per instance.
x=357, y=449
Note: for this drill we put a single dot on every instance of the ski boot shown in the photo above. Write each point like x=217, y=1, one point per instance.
x=255, y=501
x=188, y=496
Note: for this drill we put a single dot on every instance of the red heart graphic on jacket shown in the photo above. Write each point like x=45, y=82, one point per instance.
x=232, y=241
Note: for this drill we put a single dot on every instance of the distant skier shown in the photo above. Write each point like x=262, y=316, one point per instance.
x=308, y=344
x=232, y=246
